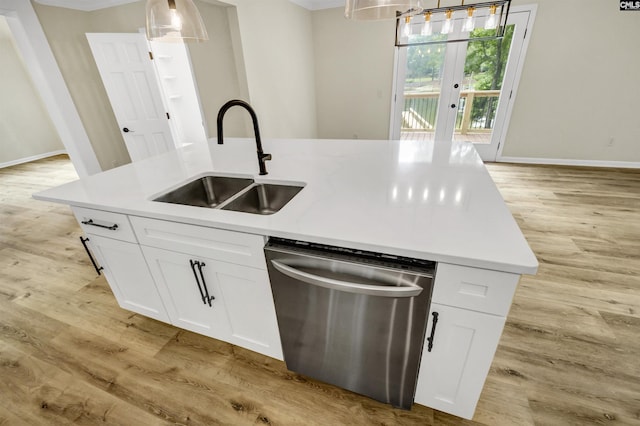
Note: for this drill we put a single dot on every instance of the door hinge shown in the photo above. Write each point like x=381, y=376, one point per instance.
x=168, y=118
x=510, y=94
x=151, y=55
x=525, y=33
x=498, y=149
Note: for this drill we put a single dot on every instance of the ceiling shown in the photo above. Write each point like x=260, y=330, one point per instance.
x=88, y=5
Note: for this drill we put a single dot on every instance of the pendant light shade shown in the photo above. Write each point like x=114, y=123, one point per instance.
x=380, y=9
x=174, y=20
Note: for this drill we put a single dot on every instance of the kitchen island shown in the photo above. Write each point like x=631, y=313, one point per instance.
x=405, y=198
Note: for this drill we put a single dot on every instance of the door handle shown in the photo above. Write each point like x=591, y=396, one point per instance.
x=92, y=223
x=350, y=287
x=126, y=130
x=93, y=262
x=433, y=331
x=202, y=285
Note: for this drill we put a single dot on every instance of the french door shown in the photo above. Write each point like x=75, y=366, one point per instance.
x=460, y=91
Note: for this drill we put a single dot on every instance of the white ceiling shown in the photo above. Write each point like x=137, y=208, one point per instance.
x=88, y=5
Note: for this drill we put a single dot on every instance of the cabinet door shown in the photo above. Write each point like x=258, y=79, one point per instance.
x=242, y=312
x=182, y=287
x=452, y=375
x=250, y=308
x=127, y=273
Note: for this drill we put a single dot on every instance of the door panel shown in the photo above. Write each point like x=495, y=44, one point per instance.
x=250, y=308
x=177, y=283
x=128, y=276
x=130, y=81
x=452, y=374
x=461, y=84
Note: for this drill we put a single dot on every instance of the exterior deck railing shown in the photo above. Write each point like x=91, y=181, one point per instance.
x=476, y=111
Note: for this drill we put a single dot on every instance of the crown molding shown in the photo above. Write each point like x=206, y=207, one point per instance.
x=84, y=5
x=90, y=5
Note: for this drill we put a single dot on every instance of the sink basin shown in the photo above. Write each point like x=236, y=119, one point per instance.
x=263, y=198
x=207, y=191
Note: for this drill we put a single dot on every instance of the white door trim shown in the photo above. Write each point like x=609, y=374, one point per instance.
x=491, y=152
x=532, y=9
x=34, y=48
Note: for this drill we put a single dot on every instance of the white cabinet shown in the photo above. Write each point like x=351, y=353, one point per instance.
x=471, y=306
x=113, y=243
x=242, y=311
x=182, y=287
x=452, y=374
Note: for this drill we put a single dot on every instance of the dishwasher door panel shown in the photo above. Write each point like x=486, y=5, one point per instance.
x=362, y=339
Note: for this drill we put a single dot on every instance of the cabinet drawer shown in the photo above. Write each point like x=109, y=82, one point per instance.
x=218, y=244
x=106, y=224
x=477, y=289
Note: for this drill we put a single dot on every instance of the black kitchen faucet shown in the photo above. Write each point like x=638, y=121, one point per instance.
x=262, y=157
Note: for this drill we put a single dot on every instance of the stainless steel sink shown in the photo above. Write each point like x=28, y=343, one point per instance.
x=263, y=198
x=207, y=191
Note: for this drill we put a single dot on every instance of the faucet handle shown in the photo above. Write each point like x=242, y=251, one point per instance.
x=265, y=157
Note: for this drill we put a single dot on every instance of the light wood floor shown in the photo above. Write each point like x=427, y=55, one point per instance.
x=569, y=354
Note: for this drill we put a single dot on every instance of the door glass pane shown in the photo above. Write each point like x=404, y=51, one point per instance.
x=484, y=69
x=422, y=89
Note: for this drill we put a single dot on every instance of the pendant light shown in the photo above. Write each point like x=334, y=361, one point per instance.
x=407, y=26
x=495, y=11
x=427, y=30
x=380, y=9
x=492, y=20
x=447, y=27
x=470, y=21
x=174, y=20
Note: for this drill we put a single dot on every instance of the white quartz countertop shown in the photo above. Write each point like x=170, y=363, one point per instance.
x=428, y=200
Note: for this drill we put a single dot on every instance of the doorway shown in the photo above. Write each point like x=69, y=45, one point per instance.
x=461, y=91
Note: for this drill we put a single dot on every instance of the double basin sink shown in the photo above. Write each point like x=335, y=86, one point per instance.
x=232, y=193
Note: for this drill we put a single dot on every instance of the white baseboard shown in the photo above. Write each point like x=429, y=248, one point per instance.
x=569, y=162
x=32, y=158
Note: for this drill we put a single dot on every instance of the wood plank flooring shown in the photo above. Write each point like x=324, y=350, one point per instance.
x=569, y=354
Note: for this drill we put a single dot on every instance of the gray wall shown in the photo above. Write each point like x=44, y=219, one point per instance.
x=354, y=73
x=316, y=74
x=214, y=68
x=579, y=86
x=26, y=129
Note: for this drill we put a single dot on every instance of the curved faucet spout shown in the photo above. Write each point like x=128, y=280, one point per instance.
x=262, y=157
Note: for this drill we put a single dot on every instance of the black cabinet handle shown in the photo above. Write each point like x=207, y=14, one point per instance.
x=433, y=331
x=209, y=298
x=202, y=285
x=95, y=265
x=92, y=223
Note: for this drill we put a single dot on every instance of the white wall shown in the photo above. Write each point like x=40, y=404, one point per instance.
x=276, y=41
x=213, y=60
x=354, y=73
x=26, y=130
x=47, y=78
x=579, y=85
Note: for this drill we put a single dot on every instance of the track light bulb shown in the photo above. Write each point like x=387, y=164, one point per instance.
x=492, y=20
x=447, y=27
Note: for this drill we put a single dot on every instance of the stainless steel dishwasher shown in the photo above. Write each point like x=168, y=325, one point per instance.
x=351, y=318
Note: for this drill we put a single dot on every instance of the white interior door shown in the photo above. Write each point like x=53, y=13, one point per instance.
x=129, y=78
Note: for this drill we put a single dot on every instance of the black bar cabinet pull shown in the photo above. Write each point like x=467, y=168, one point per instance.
x=92, y=223
x=195, y=275
x=200, y=265
x=95, y=265
x=202, y=285
x=433, y=331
